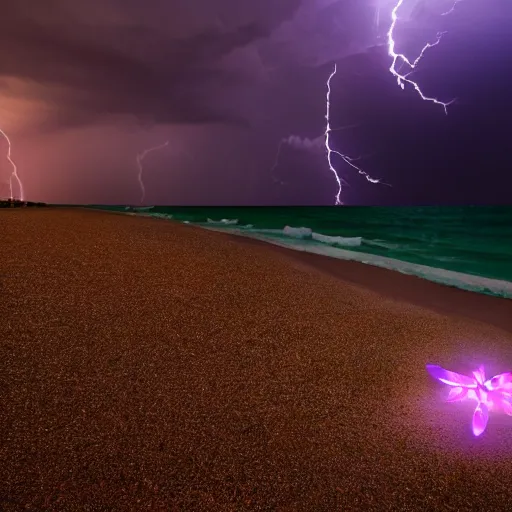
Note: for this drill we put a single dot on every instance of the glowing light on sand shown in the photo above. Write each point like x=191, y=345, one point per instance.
x=494, y=394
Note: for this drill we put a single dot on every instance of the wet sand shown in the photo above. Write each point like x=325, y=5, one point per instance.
x=148, y=365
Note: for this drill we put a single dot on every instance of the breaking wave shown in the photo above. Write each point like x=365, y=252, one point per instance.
x=224, y=222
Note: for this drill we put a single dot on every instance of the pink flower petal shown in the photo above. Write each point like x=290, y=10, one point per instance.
x=480, y=375
x=451, y=378
x=503, y=380
x=480, y=419
x=505, y=402
x=456, y=394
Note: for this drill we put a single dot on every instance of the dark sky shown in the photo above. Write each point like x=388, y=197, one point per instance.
x=86, y=86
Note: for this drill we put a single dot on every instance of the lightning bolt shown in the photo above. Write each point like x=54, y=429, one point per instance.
x=14, y=174
x=327, y=139
x=276, y=163
x=452, y=8
x=398, y=61
x=348, y=160
x=141, y=157
x=400, y=58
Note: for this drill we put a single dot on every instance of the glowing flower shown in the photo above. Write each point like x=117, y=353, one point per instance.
x=490, y=395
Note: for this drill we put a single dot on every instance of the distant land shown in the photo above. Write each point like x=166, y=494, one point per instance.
x=16, y=203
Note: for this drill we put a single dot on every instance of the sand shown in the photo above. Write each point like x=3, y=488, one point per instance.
x=148, y=365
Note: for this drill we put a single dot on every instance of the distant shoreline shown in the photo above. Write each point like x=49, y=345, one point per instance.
x=17, y=203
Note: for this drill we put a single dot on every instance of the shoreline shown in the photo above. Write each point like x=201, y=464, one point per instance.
x=440, y=298
x=479, y=283
x=437, y=297
x=160, y=366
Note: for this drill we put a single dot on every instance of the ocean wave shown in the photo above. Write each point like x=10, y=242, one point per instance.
x=298, y=233
x=155, y=215
x=142, y=208
x=354, y=241
x=304, y=233
x=225, y=222
x=382, y=244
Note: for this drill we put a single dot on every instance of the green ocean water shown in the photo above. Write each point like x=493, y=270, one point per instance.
x=468, y=246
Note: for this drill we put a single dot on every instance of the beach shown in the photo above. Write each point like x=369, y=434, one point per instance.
x=151, y=365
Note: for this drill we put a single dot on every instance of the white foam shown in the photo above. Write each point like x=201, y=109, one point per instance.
x=298, y=232
x=354, y=241
x=165, y=216
x=161, y=215
x=305, y=233
x=226, y=222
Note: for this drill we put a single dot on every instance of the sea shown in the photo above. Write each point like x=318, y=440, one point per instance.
x=468, y=247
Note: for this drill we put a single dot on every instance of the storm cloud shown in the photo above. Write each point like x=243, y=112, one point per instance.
x=85, y=87
x=125, y=66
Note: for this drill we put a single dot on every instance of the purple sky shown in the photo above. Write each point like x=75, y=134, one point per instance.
x=86, y=86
